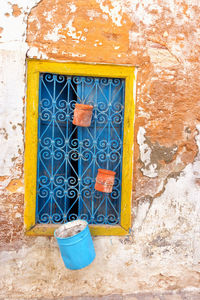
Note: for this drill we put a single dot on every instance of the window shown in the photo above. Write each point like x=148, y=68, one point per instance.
x=62, y=160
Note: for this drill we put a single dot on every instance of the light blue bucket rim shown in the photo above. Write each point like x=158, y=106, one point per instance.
x=73, y=238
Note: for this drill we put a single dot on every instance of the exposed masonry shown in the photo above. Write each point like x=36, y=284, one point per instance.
x=166, y=154
x=114, y=12
x=161, y=56
x=151, y=154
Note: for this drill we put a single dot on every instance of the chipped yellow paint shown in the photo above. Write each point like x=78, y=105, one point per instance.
x=30, y=164
x=94, y=229
x=34, y=68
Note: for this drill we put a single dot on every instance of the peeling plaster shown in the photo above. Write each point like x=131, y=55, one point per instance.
x=149, y=169
x=12, y=88
x=152, y=153
x=196, y=173
x=71, y=30
x=35, y=19
x=114, y=13
x=161, y=57
x=92, y=14
x=74, y=54
x=170, y=207
x=16, y=10
x=12, y=82
x=72, y=7
x=54, y=34
x=139, y=12
x=33, y=52
x=15, y=27
x=197, y=138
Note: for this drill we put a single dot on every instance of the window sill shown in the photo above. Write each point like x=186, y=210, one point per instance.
x=48, y=230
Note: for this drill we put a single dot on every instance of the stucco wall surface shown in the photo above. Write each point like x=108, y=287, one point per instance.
x=161, y=38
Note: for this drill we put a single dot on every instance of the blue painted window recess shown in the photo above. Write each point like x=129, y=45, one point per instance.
x=69, y=156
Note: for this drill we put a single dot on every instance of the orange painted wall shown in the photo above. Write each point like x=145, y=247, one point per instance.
x=159, y=40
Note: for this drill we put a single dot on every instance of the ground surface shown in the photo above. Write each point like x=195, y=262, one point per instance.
x=182, y=295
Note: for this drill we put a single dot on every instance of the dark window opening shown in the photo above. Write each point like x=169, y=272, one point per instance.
x=69, y=156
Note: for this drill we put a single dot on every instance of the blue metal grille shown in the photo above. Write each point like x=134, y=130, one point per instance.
x=69, y=156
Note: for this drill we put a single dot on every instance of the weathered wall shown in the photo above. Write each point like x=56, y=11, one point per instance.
x=161, y=38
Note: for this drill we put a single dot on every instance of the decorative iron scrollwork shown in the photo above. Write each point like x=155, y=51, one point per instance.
x=69, y=156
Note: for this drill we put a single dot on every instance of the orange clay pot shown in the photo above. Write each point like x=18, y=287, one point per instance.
x=105, y=180
x=82, y=115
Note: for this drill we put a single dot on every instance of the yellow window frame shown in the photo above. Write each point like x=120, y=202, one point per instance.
x=34, y=68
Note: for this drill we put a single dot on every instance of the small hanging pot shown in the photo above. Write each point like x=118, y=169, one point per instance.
x=105, y=181
x=82, y=115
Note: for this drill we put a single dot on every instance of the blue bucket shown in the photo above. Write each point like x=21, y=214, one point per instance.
x=77, y=250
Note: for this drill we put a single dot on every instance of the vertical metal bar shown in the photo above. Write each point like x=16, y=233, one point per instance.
x=95, y=145
x=109, y=120
x=66, y=149
x=52, y=144
x=108, y=144
x=80, y=137
x=122, y=132
x=38, y=158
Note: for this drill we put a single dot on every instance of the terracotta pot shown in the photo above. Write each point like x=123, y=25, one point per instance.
x=82, y=115
x=105, y=180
